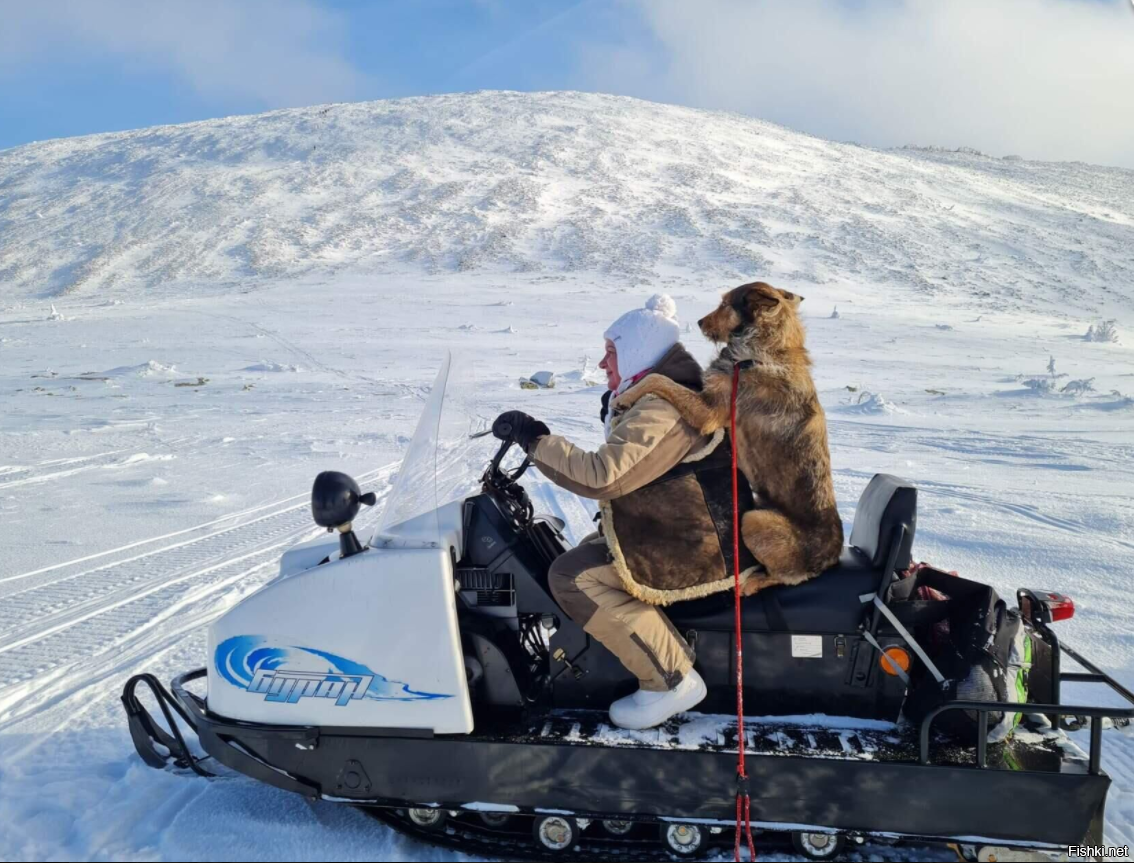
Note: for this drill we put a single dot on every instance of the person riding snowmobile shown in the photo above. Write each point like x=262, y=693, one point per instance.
x=665, y=499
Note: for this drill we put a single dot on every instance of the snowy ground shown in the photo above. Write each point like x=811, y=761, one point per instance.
x=161, y=430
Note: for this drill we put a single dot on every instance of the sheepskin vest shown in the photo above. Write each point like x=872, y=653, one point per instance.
x=671, y=540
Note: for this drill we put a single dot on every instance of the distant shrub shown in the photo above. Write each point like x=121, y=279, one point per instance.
x=1045, y=385
x=1124, y=400
x=1079, y=387
x=1103, y=331
x=930, y=148
x=1040, y=385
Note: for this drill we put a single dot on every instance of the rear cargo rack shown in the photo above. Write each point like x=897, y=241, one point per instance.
x=984, y=708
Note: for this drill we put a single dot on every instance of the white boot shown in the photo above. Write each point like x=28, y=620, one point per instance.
x=647, y=709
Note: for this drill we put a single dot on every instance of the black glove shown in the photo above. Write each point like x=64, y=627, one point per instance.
x=518, y=427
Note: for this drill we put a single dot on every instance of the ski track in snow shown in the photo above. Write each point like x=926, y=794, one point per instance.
x=89, y=609
x=62, y=468
x=57, y=632
x=222, y=348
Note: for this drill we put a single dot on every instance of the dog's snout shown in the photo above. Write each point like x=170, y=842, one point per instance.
x=701, y=323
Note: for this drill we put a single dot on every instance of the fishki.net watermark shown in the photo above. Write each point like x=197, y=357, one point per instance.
x=1099, y=852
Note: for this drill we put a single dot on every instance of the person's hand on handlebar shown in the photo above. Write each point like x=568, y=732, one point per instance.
x=519, y=428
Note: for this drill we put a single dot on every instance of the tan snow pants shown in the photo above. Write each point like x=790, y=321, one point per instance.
x=589, y=589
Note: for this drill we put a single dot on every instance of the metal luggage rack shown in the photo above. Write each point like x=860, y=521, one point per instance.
x=984, y=708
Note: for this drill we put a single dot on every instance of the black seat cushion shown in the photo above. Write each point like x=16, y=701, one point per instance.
x=827, y=603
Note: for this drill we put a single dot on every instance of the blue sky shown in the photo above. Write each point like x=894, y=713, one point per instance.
x=77, y=84
x=1041, y=78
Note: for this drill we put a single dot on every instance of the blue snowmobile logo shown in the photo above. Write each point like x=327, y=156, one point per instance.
x=247, y=662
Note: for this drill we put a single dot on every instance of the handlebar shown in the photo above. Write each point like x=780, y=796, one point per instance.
x=505, y=445
x=494, y=469
x=503, y=487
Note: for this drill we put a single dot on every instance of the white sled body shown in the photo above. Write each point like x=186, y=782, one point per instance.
x=370, y=641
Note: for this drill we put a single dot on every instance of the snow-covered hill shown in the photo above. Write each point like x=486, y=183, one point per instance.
x=552, y=183
x=195, y=320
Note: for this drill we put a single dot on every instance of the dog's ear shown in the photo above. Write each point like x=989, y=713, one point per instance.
x=759, y=301
x=794, y=299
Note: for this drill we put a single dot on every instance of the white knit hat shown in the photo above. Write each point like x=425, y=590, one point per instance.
x=642, y=337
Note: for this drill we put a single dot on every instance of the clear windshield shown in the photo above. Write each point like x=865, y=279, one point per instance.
x=443, y=462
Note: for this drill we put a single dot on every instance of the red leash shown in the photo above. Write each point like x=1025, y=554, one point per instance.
x=743, y=801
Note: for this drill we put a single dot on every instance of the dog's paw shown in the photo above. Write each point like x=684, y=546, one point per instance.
x=752, y=585
x=758, y=579
x=631, y=396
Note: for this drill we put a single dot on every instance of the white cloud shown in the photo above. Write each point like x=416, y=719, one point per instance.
x=1047, y=79
x=277, y=52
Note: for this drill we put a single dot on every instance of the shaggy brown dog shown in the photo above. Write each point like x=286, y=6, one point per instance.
x=781, y=431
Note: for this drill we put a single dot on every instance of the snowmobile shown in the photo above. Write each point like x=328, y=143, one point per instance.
x=429, y=676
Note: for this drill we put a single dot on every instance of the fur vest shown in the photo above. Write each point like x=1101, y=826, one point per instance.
x=665, y=495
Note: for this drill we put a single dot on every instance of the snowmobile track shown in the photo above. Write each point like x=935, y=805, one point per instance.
x=467, y=836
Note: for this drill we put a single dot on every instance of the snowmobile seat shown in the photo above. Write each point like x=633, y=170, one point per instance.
x=827, y=603
x=884, y=522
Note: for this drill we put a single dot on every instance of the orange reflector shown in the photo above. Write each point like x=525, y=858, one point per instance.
x=896, y=655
